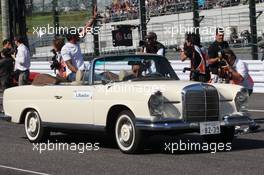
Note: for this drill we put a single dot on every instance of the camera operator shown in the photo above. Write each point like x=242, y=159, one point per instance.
x=71, y=51
x=215, y=54
x=58, y=65
x=151, y=45
x=6, y=68
x=238, y=72
x=192, y=50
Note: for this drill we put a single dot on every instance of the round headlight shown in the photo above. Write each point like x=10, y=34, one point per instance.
x=155, y=104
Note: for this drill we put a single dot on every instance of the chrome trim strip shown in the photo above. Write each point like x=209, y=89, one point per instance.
x=231, y=120
x=73, y=126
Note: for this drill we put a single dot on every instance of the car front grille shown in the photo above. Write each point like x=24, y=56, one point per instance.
x=200, y=103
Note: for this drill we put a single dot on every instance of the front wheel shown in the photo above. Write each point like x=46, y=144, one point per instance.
x=129, y=139
x=33, y=127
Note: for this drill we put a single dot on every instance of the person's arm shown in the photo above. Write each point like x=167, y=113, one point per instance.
x=235, y=75
x=89, y=24
x=212, y=58
x=71, y=67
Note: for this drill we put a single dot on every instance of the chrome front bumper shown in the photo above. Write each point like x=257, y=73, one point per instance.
x=230, y=120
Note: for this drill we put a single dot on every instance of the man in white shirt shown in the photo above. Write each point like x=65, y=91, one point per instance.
x=71, y=51
x=238, y=71
x=22, y=61
x=72, y=56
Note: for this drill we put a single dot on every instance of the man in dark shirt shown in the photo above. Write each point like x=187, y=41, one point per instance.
x=6, y=68
x=152, y=45
x=214, y=51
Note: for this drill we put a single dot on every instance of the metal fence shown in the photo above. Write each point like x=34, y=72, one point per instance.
x=166, y=26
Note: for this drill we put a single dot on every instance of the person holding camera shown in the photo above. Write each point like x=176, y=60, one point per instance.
x=239, y=74
x=22, y=61
x=192, y=50
x=215, y=55
x=238, y=71
x=58, y=65
x=151, y=45
x=6, y=68
x=71, y=51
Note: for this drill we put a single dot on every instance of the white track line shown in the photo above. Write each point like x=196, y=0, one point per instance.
x=22, y=170
x=255, y=110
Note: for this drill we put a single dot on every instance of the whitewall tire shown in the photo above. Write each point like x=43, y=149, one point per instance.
x=33, y=127
x=128, y=138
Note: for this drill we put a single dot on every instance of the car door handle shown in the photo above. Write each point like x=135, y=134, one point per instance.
x=58, y=97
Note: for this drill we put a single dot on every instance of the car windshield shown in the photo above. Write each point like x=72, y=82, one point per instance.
x=134, y=68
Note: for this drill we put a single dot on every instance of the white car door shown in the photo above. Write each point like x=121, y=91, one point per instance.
x=70, y=104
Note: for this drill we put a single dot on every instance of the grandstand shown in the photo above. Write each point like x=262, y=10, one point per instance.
x=167, y=25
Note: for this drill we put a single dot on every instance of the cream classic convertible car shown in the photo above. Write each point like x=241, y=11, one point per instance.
x=128, y=97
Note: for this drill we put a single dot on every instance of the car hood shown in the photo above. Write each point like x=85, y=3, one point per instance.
x=172, y=89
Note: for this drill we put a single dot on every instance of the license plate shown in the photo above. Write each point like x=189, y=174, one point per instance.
x=207, y=128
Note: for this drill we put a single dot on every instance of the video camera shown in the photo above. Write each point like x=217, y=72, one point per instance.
x=223, y=57
x=55, y=65
x=143, y=43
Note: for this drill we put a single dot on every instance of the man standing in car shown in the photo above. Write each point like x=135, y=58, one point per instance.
x=71, y=51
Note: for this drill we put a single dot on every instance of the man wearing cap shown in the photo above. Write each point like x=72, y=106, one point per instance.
x=153, y=46
x=215, y=51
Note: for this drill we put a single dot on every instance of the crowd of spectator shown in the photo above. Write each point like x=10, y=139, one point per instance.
x=129, y=9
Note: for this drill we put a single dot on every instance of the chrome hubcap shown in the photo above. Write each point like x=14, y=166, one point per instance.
x=32, y=125
x=125, y=132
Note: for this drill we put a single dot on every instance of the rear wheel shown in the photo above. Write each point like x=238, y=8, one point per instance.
x=129, y=139
x=33, y=127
